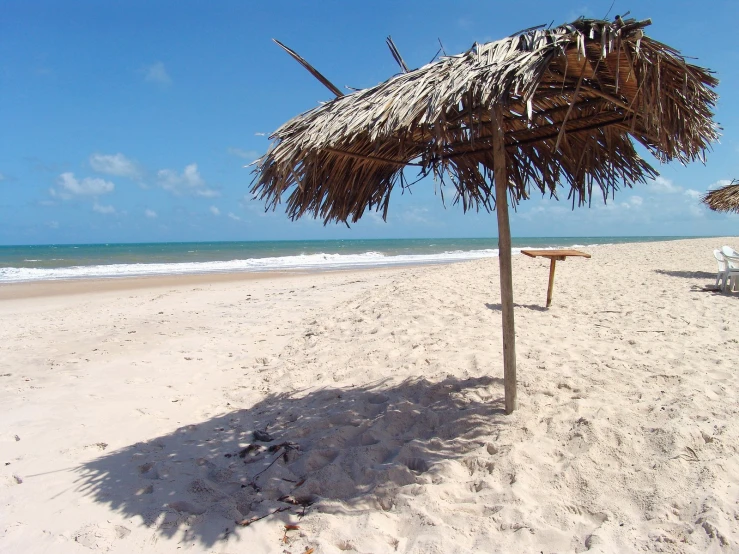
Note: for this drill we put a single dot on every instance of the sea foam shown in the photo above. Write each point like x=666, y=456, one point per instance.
x=278, y=263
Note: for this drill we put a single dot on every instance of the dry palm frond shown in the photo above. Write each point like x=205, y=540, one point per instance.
x=725, y=199
x=574, y=99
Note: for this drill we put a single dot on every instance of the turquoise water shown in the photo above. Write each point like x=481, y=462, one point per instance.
x=27, y=263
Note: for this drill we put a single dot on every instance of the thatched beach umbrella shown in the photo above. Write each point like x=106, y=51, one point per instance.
x=540, y=108
x=725, y=199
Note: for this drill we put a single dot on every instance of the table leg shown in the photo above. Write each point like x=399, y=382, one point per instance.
x=552, y=265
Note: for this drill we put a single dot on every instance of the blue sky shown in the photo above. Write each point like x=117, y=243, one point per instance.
x=131, y=121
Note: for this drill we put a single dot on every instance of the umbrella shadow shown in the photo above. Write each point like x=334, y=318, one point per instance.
x=357, y=446
x=716, y=291
x=686, y=274
x=699, y=275
x=535, y=307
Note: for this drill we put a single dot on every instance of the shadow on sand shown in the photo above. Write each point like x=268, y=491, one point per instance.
x=535, y=307
x=711, y=287
x=332, y=449
x=686, y=274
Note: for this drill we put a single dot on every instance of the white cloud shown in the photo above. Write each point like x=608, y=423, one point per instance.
x=2, y=177
x=187, y=182
x=464, y=22
x=115, y=164
x=150, y=214
x=256, y=207
x=416, y=215
x=52, y=224
x=260, y=134
x=582, y=11
x=170, y=179
x=548, y=209
x=157, y=73
x=103, y=209
x=697, y=210
x=215, y=211
x=376, y=218
x=234, y=216
x=663, y=207
x=661, y=184
x=70, y=186
x=667, y=186
x=246, y=154
x=718, y=184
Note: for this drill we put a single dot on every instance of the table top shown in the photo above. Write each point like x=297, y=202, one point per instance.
x=555, y=253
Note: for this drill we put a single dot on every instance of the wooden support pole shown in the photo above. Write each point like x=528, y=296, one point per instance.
x=504, y=257
x=552, y=266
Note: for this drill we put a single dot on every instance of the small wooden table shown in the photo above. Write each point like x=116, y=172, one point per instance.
x=553, y=256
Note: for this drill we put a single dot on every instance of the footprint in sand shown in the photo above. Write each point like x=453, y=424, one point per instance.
x=155, y=470
x=368, y=439
x=417, y=465
x=182, y=506
x=378, y=398
x=100, y=538
x=319, y=459
x=145, y=490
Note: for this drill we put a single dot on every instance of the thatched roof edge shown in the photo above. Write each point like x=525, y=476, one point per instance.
x=575, y=96
x=724, y=199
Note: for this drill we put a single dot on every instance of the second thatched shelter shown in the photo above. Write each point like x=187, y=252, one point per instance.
x=532, y=111
x=724, y=199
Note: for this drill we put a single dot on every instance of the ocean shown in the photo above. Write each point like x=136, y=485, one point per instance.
x=78, y=261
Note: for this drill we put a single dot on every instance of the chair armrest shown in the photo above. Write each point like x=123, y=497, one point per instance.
x=733, y=262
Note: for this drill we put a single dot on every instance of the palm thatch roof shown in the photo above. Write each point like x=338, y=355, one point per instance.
x=574, y=99
x=725, y=199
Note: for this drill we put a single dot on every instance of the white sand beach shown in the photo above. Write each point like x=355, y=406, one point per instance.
x=128, y=407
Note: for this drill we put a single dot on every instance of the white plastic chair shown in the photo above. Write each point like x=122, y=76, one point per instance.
x=723, y=269
x=731, y=258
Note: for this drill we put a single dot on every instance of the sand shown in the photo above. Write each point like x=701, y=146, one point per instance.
x=127, y=410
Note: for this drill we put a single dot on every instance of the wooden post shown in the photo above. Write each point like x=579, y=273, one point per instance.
x=552, y=265
x=504, y=257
